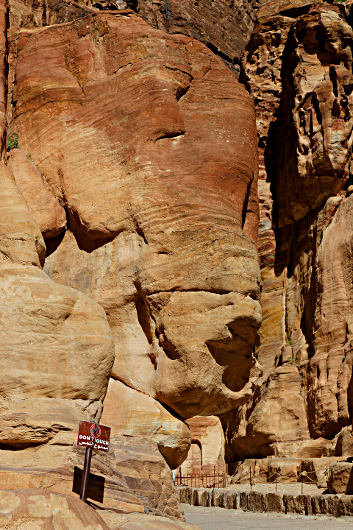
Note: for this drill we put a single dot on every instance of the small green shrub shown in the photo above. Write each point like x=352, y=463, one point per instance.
x=12, y=141
x=344, y=358
x=289, y=342
x=291, y=360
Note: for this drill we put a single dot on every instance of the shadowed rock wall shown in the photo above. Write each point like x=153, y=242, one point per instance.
x=298, y=67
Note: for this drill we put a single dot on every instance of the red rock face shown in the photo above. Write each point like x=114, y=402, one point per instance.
x=149, y=141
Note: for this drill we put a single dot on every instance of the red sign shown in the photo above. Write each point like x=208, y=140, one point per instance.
x=93, y=435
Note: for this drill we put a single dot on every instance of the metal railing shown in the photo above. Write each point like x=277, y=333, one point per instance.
x=205, y=479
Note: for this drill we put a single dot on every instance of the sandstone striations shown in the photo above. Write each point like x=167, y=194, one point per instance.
x=152, y=236
x=224, y=26
x=45, y=208
x=298, y=67
x=134, y=183
x=130, y=412
x=136, y=265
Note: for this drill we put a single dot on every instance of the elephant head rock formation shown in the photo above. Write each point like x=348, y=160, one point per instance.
x=149, y=142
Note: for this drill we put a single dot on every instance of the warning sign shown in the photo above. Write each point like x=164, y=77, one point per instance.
x=93, y=435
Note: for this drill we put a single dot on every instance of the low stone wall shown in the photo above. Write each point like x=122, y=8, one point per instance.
x=253, y=501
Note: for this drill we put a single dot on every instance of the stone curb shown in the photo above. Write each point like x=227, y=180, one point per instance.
x=253, y=501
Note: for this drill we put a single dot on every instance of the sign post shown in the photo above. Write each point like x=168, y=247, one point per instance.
x=92, y=436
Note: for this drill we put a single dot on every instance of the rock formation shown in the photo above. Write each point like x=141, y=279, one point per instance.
x=298, y=67
x=132, y=413
x=136, y=266
x=206, y=454
x=35, y=508
x=180, y=295
x=131, y=177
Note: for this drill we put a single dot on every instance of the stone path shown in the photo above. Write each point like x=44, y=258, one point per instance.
x=221, y=519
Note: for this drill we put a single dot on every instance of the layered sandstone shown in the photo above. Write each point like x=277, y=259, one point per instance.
x=49, y=215
x=53, y=373
x=40, y=509
x=26, y=508
x=138, y=163
x=136, y=175
x=206, y=454
x=297, y=66
x=180, y=295
x=224, y=26
x=129, y=412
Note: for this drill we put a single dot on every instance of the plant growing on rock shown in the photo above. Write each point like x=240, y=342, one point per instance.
x=12, y=141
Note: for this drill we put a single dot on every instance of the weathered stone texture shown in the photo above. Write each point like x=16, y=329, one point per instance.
x=207, y=446
x=340, y=479
x=297, y=66
x=45, y=208
x=132, y=413
x=132, y=521
x=225, y=26
x=43, y=510
x=177, y=295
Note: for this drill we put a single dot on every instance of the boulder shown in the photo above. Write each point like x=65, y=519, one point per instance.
x=40, y=509
x=344, y=442
x=181, y=295
x=340, y=477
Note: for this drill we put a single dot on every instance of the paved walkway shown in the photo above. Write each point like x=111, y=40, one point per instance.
x=222, y=519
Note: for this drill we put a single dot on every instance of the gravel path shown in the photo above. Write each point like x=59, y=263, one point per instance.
x=221, y=519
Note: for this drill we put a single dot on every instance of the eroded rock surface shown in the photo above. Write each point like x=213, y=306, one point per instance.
x=132, y=477
x=55, y=369
x=152, y=236
x=45, y=208
x=207, y=447
x=225, y=26
x=297, y=66
x=39, y=509
x=130, y=412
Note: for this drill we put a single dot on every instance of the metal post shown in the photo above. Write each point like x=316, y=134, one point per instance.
x=214, y=475
x=302, y=484
x=85, y=474
x=276, y=480
x=250, y=479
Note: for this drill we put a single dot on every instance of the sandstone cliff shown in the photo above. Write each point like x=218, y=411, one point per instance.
x=136, y=265
x=129, y=217
x=298, y=67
